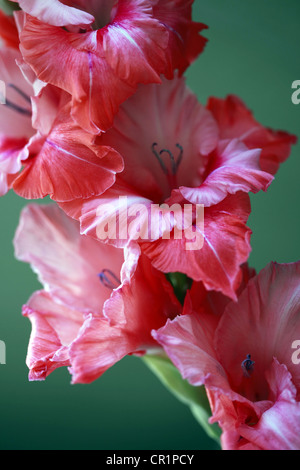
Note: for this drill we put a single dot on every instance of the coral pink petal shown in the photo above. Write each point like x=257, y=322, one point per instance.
x=226, y=247
x=54, y=327
x=98, y=348
x=237, y=121
x=66, y=168
x=83, y=72
x=135, y=43
x=187, y=344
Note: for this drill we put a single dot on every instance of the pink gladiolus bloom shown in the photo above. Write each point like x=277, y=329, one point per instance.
x=99, y=51
x=42, y=149
x=244, y=357
x=96, y=306
x=173, y=154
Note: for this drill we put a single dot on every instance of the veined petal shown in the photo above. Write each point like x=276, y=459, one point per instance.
x=66, y=168
x=83, y=72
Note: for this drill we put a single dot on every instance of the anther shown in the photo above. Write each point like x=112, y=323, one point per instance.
x=20, y=92
x=16, y=107
x=109, y=279
x=174, y=164
x=248, y=366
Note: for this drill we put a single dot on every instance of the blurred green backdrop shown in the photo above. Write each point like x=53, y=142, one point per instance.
x=252, y=52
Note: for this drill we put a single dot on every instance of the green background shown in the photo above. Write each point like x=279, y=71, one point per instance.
x=253, y=52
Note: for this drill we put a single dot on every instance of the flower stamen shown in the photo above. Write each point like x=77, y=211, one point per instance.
x=109, y=279
x=16, y=107
x=171, y=175
x=248, y=366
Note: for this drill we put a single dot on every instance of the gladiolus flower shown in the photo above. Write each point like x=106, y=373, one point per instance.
x=96, y=306
x=99, y=52
x=244, y=357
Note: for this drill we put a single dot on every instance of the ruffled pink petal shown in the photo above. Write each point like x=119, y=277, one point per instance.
x=98, y=348
x=236, y=121
x=140, y=305
x=187, y=344
x=68, y=265
x=54, y=327
x=216, y=262
x=65, y=168
x=236, y=168
x=55, y=13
